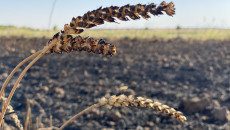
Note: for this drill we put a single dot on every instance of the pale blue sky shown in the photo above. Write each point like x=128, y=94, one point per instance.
x=189, y=13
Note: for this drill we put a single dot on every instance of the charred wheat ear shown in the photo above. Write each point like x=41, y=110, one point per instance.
x=125, y=101
x=98, y=16
x=67, y=43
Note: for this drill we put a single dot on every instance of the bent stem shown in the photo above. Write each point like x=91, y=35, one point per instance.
x=15, y=69
x=42, y=53
x=79, y=114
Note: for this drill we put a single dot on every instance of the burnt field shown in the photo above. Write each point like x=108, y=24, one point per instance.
x=189, y=75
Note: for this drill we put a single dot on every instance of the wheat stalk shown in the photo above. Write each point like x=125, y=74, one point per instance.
x=125, y=101
x=63, y=41
x=28, y=119
x=15, y=69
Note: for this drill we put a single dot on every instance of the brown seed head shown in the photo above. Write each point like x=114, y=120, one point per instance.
x=98, y=16
x=124, y=101
x=66, y=43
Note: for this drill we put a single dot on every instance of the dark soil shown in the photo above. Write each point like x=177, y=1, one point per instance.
x=171, y=71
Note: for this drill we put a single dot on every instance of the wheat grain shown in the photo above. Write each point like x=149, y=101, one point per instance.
x=68, y=44
x=98, y=16
x=125, y=101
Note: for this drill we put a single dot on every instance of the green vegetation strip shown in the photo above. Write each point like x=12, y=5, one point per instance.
x=197, y=34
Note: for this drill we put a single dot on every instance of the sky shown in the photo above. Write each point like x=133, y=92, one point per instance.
x=189, y=13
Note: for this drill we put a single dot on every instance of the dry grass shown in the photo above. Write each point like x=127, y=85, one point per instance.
x=64, y=41
x=197, y=34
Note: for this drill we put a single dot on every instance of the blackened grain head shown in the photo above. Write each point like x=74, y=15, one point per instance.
x=101, y=41
x=150, y=6
x=132, y=8
x=114, y=13
x=98, y=21
x=127, y=6
x=114, y=7
x=79, y=17
x=71, y=24
x=56, y=35
x=61, y=37
x=90, y=25
x=81, y=24
x=69, y=36
x=73, y=19
x=85, y=17
x=131, y=14
x=138, y=10
x=106, y=10
x=77, y=31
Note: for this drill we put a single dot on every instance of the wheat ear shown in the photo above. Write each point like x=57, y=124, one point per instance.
x=98, y=16
x=124, y=101
x=67, y=43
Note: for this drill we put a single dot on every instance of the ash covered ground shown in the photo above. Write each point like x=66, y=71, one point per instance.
x=191, y=76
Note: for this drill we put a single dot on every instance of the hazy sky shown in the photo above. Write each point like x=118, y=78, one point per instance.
x=189, y=13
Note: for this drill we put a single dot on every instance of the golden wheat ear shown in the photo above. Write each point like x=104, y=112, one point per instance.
x=125, y=101
x=98, y=16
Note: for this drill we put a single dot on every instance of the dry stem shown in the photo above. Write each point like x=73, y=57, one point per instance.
x=21, y=76
x=28, y=120
x=15, y=69
x=81, y=113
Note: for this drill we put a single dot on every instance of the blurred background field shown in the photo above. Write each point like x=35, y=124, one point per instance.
x=26, y=19
x=197, y=34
